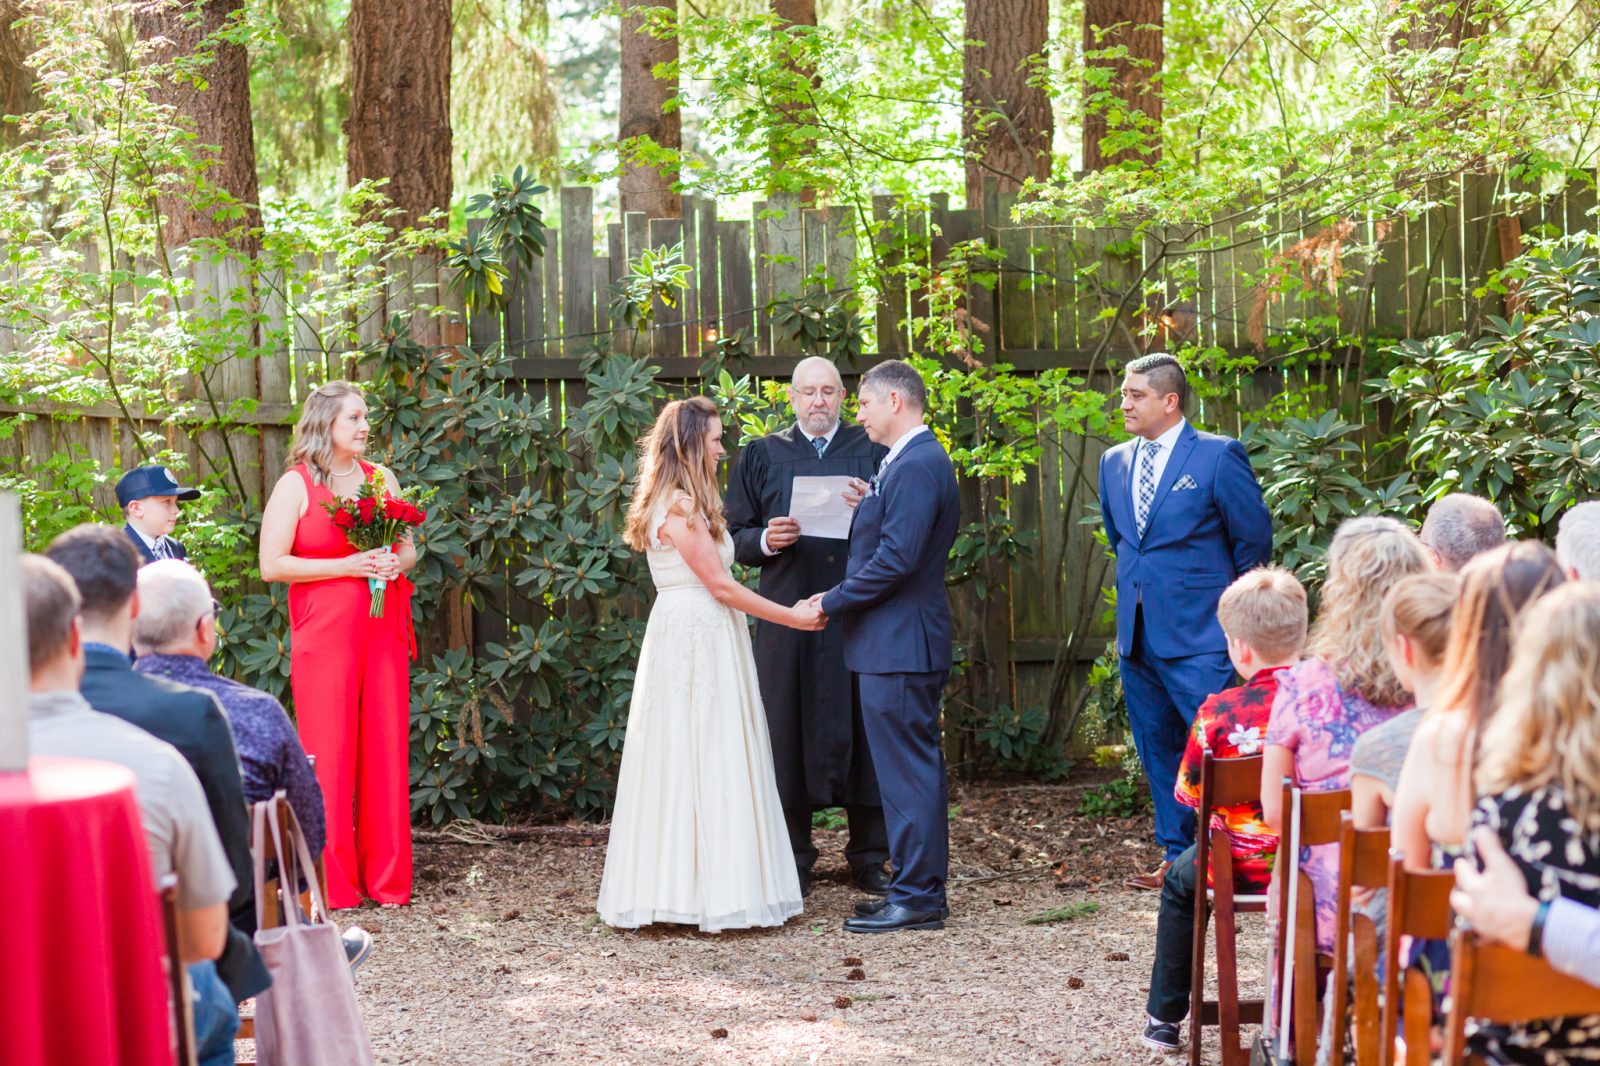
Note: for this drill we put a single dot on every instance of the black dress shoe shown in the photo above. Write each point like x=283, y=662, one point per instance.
x=873, y=880
x=894, y=918
x=805, y=882
x=872, y=906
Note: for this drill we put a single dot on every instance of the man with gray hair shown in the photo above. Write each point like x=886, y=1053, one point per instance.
x=175, y=634
x=819, y=744
x=1460, y=526
x=1578, y=541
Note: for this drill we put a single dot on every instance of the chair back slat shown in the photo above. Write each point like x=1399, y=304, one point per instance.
x=177, y=974
x=1507, y=986
x=1363, y=863
x=1309, y=819
x=1419, y=906
x=1229, y=782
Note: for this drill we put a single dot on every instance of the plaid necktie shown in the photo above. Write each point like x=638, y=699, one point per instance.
x=1147, y=485
x=820, y=444
x=161, y=551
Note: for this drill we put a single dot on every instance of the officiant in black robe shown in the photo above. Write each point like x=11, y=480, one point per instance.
x=819, y=747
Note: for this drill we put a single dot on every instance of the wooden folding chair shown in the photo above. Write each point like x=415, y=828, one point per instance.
x=1310, y=819
x=177, y=973
x=1223, y=783
x=1500, y=985
x=1363, y=863
x=1419, y=906
x=272, y=894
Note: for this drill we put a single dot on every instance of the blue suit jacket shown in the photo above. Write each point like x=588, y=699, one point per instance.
x=144, y=551
x=1197, y=541
x=891, y=604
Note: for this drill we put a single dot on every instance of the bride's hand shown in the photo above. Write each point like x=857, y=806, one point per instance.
x=807, y=615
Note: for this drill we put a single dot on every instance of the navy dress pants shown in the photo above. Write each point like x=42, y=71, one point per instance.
x=901, y=715
x=1163, y=696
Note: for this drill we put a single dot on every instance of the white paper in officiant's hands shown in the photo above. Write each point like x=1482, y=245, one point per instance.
x=817, y=503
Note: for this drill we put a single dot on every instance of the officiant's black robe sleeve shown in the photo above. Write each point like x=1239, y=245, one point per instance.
x=818, y=747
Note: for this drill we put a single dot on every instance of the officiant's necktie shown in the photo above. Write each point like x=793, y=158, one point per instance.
x=1147, y=485
x=820, y=444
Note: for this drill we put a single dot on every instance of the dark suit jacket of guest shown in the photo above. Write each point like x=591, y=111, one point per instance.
x=192, y=721
x=819, y=752
x=1207, y=525
x=892, y=605
x=144, y=550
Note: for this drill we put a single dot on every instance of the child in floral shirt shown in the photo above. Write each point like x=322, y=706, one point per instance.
x=1263, y=615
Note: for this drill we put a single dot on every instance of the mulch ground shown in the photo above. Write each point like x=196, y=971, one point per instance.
x=501, y=958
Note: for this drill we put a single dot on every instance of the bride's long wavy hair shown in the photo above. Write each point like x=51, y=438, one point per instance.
x=673, y=460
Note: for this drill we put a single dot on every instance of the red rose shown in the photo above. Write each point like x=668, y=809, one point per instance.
x=368, y=508
x=394, y=509
x=344, y=520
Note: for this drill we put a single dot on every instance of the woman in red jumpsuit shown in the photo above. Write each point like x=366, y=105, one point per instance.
x=349, y=672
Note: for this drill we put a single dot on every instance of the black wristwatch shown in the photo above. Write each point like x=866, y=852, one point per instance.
x=1536, y=932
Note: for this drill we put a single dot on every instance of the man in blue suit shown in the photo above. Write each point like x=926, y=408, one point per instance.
x=895, y=619
x=1184, y=515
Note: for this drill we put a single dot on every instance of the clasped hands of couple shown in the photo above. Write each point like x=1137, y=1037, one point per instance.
x=784, y=531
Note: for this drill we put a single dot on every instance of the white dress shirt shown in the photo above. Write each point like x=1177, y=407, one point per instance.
x=1167, y=442
x=151, y=542
x=828, y=436
x=900, y=446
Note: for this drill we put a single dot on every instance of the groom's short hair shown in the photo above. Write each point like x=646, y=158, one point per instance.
x=1164, y=373
x=893, y=375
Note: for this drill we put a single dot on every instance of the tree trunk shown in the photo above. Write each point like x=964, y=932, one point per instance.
x=643, y=112
x=795, y=113
x=1122, y=94
x=16, y=79
x=399, y=124
x=1443, y=24
x=1007, y=127
x=218, y=113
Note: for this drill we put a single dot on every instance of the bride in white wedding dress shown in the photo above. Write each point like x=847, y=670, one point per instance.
x=697, y=836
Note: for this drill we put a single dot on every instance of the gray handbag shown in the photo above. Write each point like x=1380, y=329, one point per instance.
x=309, y=1017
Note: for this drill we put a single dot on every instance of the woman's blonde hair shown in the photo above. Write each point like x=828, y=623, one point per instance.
x=1367, y=556
x=313, y=434
x=1419, y=608
x=1547, y=727
x=674, y=460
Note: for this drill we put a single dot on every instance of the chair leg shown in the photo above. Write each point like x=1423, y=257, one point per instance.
x=1364, y=1002
x=1226, y=935
x=1304, y=1017
x=1197, y=975
x=1417, y=1019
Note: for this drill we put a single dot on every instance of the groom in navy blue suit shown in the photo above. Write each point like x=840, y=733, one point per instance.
x=895, y=616
x=1184, y=515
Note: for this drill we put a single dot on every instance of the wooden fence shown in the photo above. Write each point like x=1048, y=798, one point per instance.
x=1063, y=298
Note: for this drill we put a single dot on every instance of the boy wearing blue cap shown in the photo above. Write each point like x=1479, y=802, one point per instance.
x=149, y=497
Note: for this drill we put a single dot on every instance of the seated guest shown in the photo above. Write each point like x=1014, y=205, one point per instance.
x=1539, y=779
x=1578, y=541
x=1460, y=526
x=105, y=568
x=172, y=809
x=1433, y=798
x=1263, y=616
x=1345, y=687
x=1416, y=625
x=175, y=635
x=1499, y=907
x=149, y=497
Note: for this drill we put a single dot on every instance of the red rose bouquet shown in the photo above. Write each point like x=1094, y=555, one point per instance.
x=377, y=518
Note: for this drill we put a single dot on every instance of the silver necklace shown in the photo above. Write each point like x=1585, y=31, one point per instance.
x=344, y=473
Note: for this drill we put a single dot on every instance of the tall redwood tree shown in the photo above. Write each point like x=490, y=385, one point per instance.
x=218, y=111
x=399, y=124
x=643, y=109
x=1007, y=127
x=795, y=13
x=1131, y=83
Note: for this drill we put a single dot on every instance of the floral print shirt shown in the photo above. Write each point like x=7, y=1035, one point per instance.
x=1232, y=725
x=1318, y=723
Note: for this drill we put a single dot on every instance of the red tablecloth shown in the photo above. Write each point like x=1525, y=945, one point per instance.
x=80, y=928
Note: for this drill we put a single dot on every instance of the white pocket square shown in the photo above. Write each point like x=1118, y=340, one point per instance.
x=1185, y=482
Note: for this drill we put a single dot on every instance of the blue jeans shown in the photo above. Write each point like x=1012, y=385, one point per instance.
x=216, y=1016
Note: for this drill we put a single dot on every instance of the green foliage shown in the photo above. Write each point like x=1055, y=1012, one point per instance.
x=515, y=222
x=480, y=272
x=658, y=276
x=1122, y=798
x=1069, y=912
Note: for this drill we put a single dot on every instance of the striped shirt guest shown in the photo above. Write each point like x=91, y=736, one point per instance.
x=175, y=634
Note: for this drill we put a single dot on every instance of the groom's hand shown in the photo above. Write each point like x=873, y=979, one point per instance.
x=854, y=492
x=782, y=532
x=808, y=615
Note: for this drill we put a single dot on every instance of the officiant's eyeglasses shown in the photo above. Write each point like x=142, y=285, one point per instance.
x=827, y=392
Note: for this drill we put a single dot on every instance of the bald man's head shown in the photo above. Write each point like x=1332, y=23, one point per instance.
x=816, y=392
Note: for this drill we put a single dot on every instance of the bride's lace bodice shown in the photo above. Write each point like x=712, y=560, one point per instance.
x=667, y=567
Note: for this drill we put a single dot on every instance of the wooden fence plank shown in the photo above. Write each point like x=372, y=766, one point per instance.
x=888, y=216
x=761, y=263
x=553, y=325
x=577, y=268
x=666, y=339
x=734, y=279
x=785, y=256
x=708, y=285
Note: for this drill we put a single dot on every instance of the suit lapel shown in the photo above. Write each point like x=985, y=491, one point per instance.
x=1175, y=465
